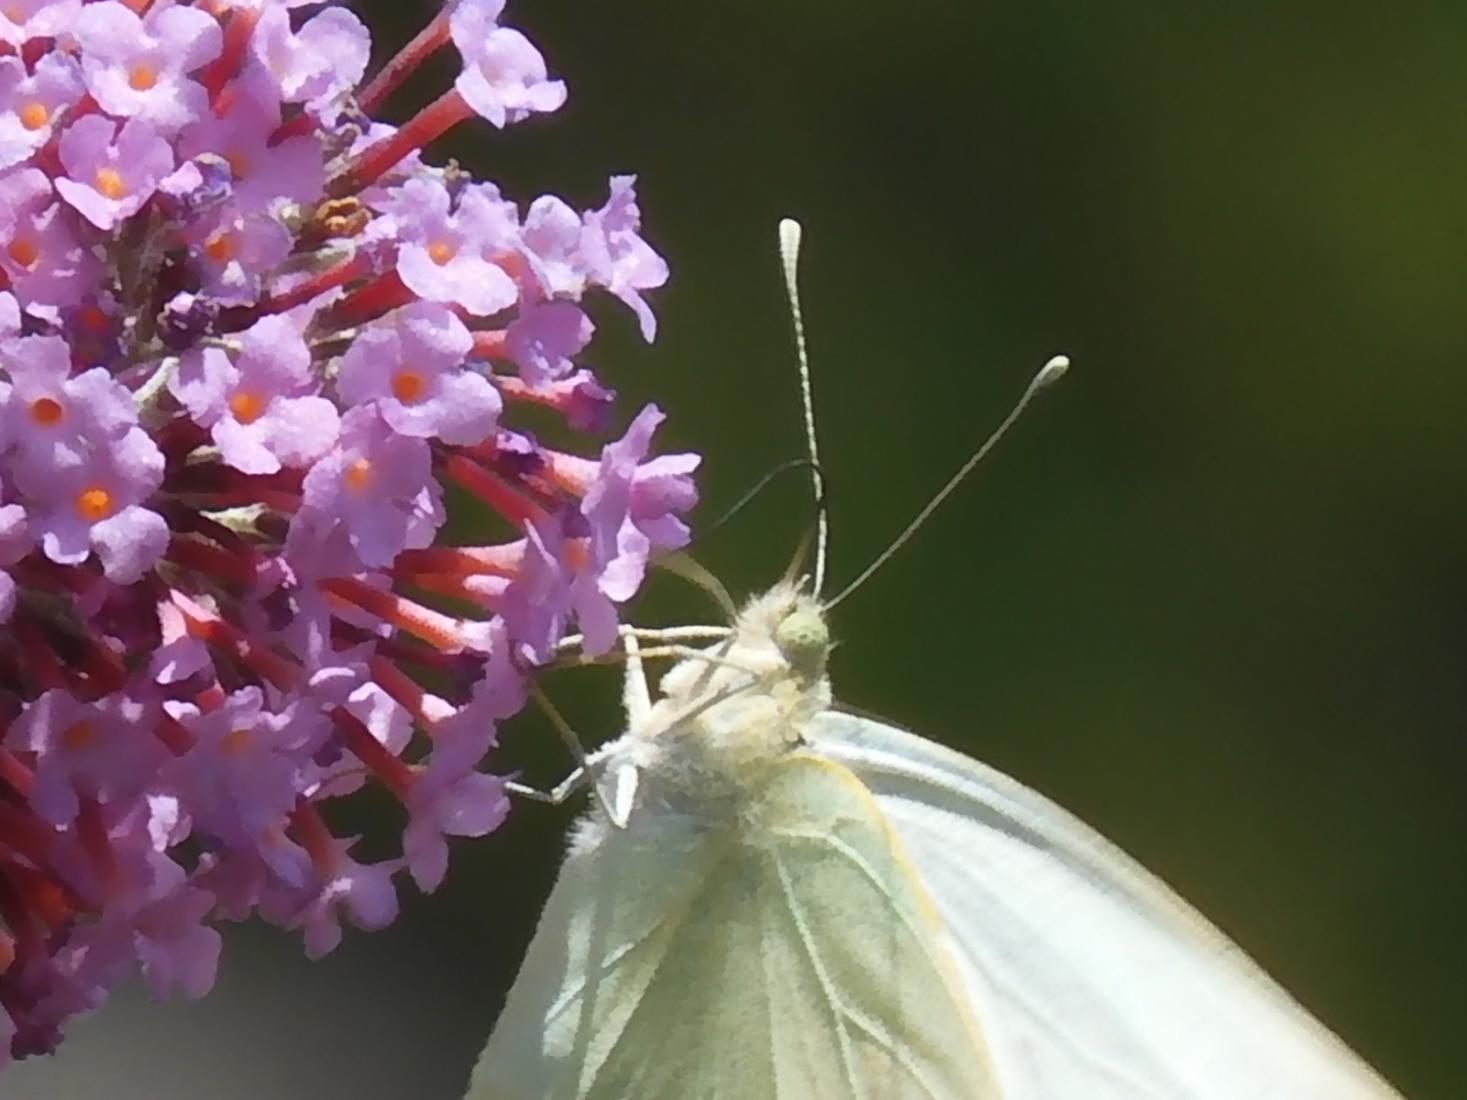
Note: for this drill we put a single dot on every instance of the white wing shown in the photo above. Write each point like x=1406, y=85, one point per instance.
x=1091, y=978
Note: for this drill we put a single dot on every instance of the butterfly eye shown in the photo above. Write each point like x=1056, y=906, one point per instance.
x=803, y=640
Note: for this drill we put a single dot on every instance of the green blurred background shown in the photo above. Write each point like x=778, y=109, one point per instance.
x=1210, y=596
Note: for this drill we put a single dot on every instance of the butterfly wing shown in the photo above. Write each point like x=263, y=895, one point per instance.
x=1091, y=977
x=788, y=956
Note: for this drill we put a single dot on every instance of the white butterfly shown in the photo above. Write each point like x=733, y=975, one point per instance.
x=777, y=900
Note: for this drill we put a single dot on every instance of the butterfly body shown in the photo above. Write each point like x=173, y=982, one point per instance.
x=800, y=903
x=756, y=889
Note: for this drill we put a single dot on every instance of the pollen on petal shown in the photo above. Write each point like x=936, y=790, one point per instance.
x=142, y=77
x=440, y=252
x=94, y=504
x=408, y=386
x=239, y=164
x=47, y=411
x=109, y=182
x=236, y=741
x=247, y=405
x=34, y=115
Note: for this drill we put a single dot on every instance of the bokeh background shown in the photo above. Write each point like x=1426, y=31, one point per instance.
x=1211, y=595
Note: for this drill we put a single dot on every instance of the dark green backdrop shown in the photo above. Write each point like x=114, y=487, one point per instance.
x=1210, y=596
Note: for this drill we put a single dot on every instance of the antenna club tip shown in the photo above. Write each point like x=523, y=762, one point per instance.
x=789, y=238
x=1051, y=372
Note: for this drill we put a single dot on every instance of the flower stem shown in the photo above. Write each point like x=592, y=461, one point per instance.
x=174, y=735
x=434, y=120
x=474, y=479
x=490, y=343
x=502, y=561
x=213, y=561
x=216, y=632
x=337, y=275
x=394, y=774
x=424, y=45
x=15, y=774
x=226, y=66
x=437, y=629
x=382, y=295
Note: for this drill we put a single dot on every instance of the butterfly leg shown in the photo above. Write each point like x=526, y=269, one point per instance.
x=617, y=791
x=589, y=771
x=586, y=770
x=571, y=643
x=616, y=787
x=557, y=794
x=636, y=696
x=620, y=791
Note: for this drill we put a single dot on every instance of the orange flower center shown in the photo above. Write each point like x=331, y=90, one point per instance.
x=34, y=115
x=247, y=405
x=440, y=252
x=93, y=318
x=109, y=182
x=47, y=411
x=23, y=252
x=221, y=248
x=235, y=742
x=408, y=386
x=143, y=77
x=578, y=553
x=95, y=504
x=359, y=475
x=78, y=735
x=238, y=163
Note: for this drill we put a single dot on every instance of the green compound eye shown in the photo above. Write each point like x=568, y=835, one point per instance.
x=804, y=640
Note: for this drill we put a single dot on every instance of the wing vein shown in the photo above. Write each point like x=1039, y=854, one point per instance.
x=833, y=1006
x=769, y=971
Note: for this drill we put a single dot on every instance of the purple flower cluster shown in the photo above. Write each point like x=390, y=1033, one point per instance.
x=248, y=339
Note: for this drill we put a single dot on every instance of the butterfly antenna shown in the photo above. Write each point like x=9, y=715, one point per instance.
x=1050, y=373
x=753, y=494
x=789, y=256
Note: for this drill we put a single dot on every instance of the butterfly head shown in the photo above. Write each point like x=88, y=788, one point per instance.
x=787, y=626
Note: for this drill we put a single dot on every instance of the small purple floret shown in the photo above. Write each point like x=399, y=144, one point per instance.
x=617, y=257
x=504, y=77
x=31, y=102
x=138, y=67
x=376, y=487
x=111, y=170
x=450, y=257
x=261, y=406
x=412, y=368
